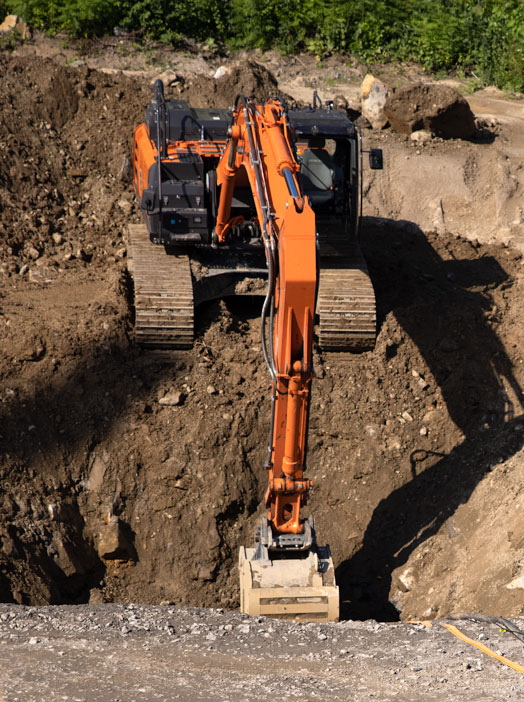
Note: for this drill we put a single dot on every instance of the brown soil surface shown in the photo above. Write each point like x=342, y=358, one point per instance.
x=415, y=448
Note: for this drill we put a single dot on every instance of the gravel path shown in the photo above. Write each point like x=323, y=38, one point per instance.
x=133, y=653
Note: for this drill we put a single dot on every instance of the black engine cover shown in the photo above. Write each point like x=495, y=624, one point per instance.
x=184, y=123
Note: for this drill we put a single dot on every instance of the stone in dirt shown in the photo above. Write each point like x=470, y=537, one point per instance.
x=172, y=399
x=12, y=22
x=221, y=71
x=436, y=108
x=168, y=77
x=374, y=95
x=113, y=543
x=421, y=136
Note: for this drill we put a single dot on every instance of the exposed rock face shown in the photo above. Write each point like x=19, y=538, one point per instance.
x=439, y=109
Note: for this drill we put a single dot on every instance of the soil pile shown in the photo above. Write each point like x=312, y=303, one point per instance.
x=439, y=109
x=247, y=78
x=65, y=138
x=400, y=437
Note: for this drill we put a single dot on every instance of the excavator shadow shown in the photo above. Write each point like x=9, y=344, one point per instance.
x=443, y=303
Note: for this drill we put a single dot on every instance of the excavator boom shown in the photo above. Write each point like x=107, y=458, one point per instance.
x=287, y=574
x=260, y=146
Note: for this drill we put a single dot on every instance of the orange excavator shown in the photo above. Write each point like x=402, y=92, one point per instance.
x=239, y=186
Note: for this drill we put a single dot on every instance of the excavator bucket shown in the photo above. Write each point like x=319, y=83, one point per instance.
x=300, y=586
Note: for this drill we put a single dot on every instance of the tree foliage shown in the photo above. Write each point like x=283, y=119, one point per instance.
x=484, y=37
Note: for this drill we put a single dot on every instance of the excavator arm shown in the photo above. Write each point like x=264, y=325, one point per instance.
x=287, y=574
x=260, y=144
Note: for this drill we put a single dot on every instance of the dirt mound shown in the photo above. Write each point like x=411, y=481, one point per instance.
x=247, y=78
x=64, y=170
x=437, y=108
x=399, y=438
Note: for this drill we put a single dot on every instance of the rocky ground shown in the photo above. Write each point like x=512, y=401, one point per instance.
x=133, y=653
x=415, y=448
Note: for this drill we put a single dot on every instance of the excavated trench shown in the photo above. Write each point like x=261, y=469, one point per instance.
x=133, y=476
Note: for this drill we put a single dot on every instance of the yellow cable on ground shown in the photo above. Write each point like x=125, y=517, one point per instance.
x=484, y=649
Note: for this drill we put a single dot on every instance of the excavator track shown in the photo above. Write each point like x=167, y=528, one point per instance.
x=163, y=293
x=346, y=299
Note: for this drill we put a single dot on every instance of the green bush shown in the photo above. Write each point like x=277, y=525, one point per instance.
x=484, y=37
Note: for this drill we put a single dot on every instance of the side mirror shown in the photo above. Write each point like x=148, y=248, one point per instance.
x=376, y=159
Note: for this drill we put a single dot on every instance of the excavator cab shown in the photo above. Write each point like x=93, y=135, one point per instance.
x=317, y=173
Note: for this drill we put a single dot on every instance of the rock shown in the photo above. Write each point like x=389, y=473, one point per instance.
x=407, y=416
x=438, y=109
x=366, y=84
x=113, y=543
x=96, y=474
x=340, y=102
x=221, y=71
x=82, y=254
x=172, y=399
x=430, y=416
x=125, y=205
x=13, y=22
x=423, y=384
x=423, y=431
x=33, y=253
x=206, y=573
x=374, y=94
x=517, y=584
x=168, y=77
x=421, y=136
x=58, y=239
x=393, y=444
x=23, y=269
x=42, y=275
x=407, y=579
x=125, y=173
x=66, y=556
x=211, y=390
